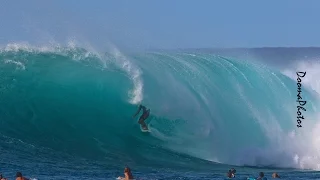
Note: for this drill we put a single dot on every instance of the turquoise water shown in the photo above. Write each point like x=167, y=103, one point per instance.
x=66, y=113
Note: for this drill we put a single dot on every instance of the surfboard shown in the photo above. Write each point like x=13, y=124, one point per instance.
x=145, y=130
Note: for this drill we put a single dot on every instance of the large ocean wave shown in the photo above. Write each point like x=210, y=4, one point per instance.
x=73, y=101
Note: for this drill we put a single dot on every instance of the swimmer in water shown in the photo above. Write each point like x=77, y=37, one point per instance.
x=261, y=176
x=275, y=175
x=127, y=174
x=20, y=177
x=2, y=178
x=231, y=173
x=143, y=117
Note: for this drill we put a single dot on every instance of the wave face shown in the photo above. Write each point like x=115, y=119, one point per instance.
x=209, y=107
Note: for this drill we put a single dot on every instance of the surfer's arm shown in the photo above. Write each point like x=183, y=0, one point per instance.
x=140, y=107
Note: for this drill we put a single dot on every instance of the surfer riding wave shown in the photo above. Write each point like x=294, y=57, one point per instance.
x=143, y=117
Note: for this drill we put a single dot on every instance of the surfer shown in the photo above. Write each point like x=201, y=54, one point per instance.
x=143, y=117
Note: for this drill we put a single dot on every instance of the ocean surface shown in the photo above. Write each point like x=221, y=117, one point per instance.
x=66, y=113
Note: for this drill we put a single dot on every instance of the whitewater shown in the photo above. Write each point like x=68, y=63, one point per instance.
x=66, y=113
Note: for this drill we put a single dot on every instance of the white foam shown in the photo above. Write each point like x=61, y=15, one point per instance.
x=300, y=148
x=19, y=64
x=24, y=46
x=136, y=94
x=52, y=47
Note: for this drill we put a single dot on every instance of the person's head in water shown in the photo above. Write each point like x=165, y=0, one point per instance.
x=233, y=171
x=127, y=170
x=2, y=178
x=275, y=175
x=261, y=174
x=19, y=174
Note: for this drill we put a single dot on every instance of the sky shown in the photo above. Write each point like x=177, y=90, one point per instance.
x=168, y=24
